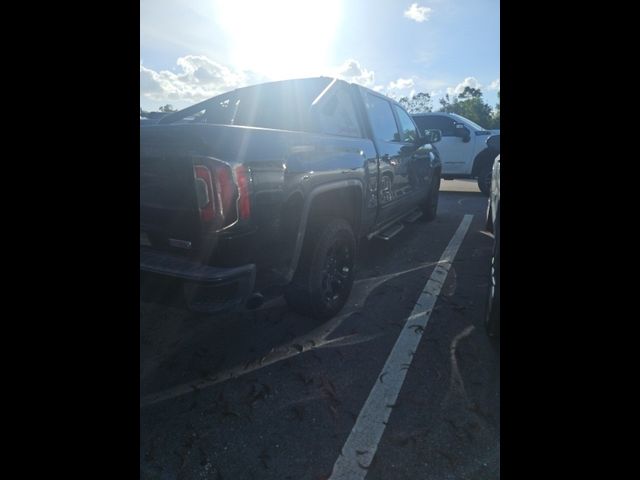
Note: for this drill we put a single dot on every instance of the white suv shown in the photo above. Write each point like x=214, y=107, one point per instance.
x=463, y=147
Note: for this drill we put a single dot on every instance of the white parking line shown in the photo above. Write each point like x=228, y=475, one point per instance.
x=362, y=443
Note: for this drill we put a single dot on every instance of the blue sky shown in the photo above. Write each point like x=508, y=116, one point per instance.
x=194, y=49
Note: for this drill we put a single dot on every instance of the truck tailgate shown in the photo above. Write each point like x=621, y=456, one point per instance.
x=168, y=203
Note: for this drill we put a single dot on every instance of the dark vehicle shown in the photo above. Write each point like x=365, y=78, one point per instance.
x=493, y=225
x=272, y=187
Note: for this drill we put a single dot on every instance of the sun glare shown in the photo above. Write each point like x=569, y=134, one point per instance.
x=279, y=38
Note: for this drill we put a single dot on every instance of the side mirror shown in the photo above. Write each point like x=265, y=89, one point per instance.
x=433, y=136
x=462, y=132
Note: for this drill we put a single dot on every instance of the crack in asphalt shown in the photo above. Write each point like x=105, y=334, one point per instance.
x=456, y=382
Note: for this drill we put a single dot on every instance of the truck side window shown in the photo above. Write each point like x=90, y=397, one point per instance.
x=446, y=125
x=337, y=116
x=408, y=133
x=382, y=119
x=437, y=122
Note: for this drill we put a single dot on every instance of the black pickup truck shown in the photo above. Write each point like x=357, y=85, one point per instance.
x=273, y=186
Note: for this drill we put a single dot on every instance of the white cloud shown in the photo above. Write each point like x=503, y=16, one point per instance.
x=409, y=87
x=417, y=13
x=467, y=82
x=401, y=84
x=149, y=82
x=199, y=78
x=352, y=71
x=495, y=85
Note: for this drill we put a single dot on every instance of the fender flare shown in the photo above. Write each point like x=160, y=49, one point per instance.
x=304, y=216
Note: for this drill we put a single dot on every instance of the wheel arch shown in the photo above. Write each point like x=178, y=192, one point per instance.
x=342, y=199
x=483, y=158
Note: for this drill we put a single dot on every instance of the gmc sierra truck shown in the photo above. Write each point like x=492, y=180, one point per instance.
x=272, y=187
x=463, y=148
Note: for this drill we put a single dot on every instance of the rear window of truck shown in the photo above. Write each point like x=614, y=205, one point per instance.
x=285, y=106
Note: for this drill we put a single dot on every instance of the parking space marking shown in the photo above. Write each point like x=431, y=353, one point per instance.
x=361, y=445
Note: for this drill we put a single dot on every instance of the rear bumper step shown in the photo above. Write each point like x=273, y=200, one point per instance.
x=206, y=289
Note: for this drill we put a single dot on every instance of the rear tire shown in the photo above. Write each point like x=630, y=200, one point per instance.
x=430, y=208
x=324, y=278
x=484, y=179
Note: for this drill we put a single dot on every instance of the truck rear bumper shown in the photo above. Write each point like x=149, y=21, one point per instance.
x=205, y=288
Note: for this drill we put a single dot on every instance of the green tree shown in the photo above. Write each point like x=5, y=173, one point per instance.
x=496, y=115
x=168, y=108
x=470, y=93
x=469, y=104
x=419, y=103
x=445, y=104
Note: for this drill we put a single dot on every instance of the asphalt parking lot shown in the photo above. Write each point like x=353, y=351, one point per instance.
x=404, y=384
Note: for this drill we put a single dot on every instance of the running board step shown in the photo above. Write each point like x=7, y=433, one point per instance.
x=390, y=232
x=413, y=217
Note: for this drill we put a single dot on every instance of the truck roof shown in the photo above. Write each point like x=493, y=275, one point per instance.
x=323, y=83
x=428, y=114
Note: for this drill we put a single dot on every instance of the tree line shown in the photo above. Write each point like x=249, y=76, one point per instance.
x=166, y=109
x=469, y=104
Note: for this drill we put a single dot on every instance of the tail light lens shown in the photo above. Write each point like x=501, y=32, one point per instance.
x=244, y=202
x=217, y=193
x=225, y=190
x=204, y=193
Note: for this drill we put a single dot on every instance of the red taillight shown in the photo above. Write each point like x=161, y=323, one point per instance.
x=225, y=190
x=217, y=193
x=204, y=193
x=244, y=203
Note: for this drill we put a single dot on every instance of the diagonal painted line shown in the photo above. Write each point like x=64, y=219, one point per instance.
x=362, y=443
x=318, y=336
